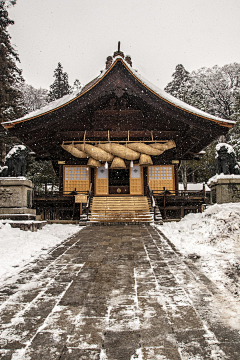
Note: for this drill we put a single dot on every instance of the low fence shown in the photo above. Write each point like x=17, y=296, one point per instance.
x=176, y=204
x=59, y=205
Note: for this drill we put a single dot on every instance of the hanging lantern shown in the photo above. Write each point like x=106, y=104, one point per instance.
x=145, y=160
x=131, y=163
x=118, y=163
x=94, y=163
x=106, y=165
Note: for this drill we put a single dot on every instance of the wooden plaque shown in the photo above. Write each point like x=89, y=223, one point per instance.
x=80, y=198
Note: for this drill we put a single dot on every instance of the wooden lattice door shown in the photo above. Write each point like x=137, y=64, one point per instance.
x=76, y=177
x=136, y=180
x=160, y=177
x=101, y=181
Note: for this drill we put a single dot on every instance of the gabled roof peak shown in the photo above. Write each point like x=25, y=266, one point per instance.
x=118, y=53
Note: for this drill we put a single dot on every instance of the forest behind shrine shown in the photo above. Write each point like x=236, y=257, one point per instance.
x=214, y=90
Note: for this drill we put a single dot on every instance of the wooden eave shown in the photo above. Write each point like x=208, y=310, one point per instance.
x=94, y=82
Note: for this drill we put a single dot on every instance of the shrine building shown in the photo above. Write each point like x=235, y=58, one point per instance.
x=118, y=137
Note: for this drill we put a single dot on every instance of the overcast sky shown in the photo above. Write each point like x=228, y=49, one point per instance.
x=157, y=34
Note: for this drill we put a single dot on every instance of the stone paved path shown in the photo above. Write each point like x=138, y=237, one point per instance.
x=117, y=293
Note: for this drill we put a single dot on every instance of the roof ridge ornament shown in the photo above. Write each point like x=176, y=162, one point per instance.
x=118, y=52
x=127, y=58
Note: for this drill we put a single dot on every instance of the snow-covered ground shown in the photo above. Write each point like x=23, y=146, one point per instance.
x=212, y=241
x=18, y=247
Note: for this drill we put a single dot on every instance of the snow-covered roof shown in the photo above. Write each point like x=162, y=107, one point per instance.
x=54, y=105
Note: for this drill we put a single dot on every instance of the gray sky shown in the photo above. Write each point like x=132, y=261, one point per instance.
x=157, y=34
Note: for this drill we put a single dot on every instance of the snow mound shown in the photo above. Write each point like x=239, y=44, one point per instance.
x=216, y=224
x=19, y=247
x=212, y=240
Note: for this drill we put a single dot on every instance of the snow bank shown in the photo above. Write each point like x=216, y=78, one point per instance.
x=19, y=247
x=214, y=235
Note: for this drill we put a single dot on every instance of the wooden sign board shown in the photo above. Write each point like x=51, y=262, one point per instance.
x=80, y=198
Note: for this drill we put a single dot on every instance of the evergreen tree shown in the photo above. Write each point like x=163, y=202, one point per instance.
x=41, y=173
x=33, y=98
x=10, y=79
x=10, y=74
x=214, y=90
x=178, y=87
x=60, y=86
x=76, y=85
x=8, y=3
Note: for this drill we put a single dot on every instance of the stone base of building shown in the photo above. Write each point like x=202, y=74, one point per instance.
x=225, y=188
x=16, y=199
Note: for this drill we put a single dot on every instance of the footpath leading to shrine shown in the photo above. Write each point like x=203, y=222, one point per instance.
x=114, y=293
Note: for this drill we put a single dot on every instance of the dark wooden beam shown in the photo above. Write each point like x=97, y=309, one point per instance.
x=165, y=135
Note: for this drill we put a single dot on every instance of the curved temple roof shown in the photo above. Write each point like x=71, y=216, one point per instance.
x=53, y=106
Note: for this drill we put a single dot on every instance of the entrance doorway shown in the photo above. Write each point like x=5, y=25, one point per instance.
x=119, y=181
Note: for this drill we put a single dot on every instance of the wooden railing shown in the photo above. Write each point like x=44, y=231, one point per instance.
x=156, y=212
x=180, y=193
x=179, y=202
x=50, y=203
x=56, y=193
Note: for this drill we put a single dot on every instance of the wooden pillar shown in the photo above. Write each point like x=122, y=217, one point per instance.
x=145, y=178
x=60, y=177
x=176, y=177
x=182, y=212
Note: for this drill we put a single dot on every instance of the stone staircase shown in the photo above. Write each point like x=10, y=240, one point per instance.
x=120, y=209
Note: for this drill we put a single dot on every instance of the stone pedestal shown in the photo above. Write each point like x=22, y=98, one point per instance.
x=225, y=188
x=16, y=199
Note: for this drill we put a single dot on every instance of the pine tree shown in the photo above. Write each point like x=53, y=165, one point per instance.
x=178, y=87
x=76, y=85
x=10, y=79
x=41, y=173
x=60, y=86
x=10, y=74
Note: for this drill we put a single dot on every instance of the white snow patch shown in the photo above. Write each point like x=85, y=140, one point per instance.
x=214, y=235
x=217, y=177
x=137, y=355
x=15, y=149
x=193, y=187
x=227, y=146
x=19, y=247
